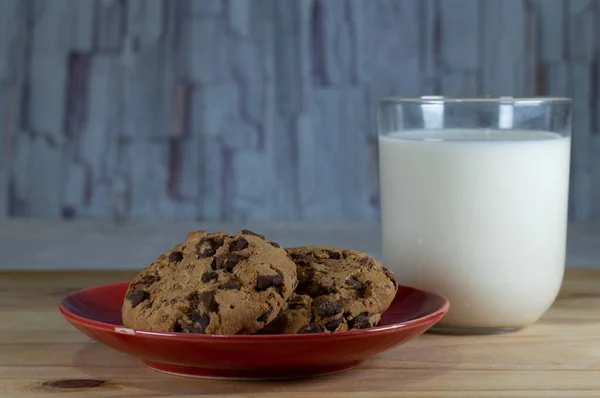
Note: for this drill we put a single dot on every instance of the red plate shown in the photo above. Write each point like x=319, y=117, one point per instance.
x=97, y=313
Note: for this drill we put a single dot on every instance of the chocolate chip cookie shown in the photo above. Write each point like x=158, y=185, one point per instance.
x=338, y=290
x=212, y=284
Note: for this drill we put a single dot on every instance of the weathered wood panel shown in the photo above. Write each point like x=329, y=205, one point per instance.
x=13, y=34
x=260, y=109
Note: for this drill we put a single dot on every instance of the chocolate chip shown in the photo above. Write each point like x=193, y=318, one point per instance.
x=227, y=261
x=234, y=259
x=199, y=245
x=265, y=316
x=263, y=282
x=209, y=251
x=230, y=286
x=208, y=299
x=238, y=244
x=333, y=325
x=275, y=244
x=334, y=255
x=360, y=322
x=365, y=260
x=214, y=242
x=329, y=308
x=302, y=259
x=135, y=297
x=177, y=328
x=366, y=290
x=209, y=276
x=193, y=298
x=196, y=316
x=145, y=281
x=354, y=284
x=201, y=321
x=248, y=232
x=200, y=318
x=175, y=257
x=391, y=276
x=311, y=328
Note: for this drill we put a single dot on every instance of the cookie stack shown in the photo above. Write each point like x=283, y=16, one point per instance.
x=245, y=284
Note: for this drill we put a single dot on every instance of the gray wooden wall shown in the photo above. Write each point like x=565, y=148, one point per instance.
x=259, y=109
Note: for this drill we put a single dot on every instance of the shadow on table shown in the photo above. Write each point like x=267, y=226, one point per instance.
x=119, y=371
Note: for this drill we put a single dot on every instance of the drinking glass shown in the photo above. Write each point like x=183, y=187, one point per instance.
x=474, y=202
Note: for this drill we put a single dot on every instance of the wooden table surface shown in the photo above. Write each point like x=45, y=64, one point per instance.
x=557, y=357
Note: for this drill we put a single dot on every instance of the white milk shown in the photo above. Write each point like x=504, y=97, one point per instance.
x=479, y=216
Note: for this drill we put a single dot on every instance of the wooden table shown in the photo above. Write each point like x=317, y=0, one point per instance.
x=40, y=354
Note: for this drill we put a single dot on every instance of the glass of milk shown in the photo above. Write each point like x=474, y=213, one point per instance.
x=474, y=198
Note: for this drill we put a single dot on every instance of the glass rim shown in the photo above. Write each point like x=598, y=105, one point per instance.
x=431, y=99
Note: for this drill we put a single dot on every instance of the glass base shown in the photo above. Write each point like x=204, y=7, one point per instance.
x=471, y=330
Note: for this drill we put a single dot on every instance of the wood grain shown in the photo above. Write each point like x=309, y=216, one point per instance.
x=226, y=110
x=42, y=355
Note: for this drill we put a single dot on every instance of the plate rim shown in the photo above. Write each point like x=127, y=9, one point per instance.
x=110, y=327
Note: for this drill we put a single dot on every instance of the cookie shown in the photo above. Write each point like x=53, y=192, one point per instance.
x=338, y=290
x=212, y=284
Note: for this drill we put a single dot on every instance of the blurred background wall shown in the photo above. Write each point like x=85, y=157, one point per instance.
x=260, y=109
